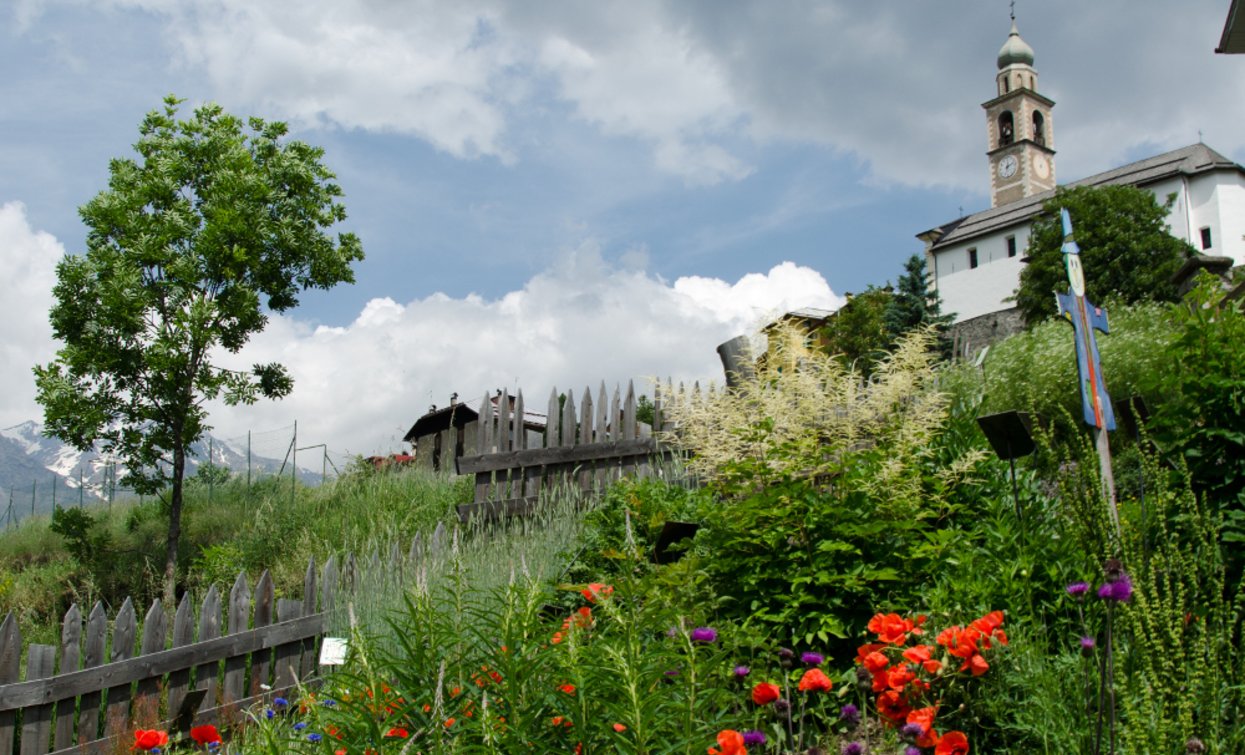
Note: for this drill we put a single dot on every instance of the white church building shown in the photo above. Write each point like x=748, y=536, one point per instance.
x=974, y=262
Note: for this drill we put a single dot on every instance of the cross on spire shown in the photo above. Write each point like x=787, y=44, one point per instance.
x=1013, y=4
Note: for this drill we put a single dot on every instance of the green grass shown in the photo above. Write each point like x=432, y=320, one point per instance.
x=270, y=525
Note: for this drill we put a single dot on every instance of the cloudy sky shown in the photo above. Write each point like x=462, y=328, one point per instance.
x=555, y=193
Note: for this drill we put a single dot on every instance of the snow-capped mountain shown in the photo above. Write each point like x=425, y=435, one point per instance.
x=37, y=471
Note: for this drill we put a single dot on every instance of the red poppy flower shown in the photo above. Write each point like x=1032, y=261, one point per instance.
x=898, y=677
x=205, y=735
x=619, y=728
x=892, y=705
x=893, y=629
x=978, y=665
x=876, y=662
x=917, y=653
x=765, y=693
x=398, y=733
x=582, y=619
x=597, y=591
x=814, y=680
x=149, y=739
x=952, y=743
x=731, y=742
x=568, y=688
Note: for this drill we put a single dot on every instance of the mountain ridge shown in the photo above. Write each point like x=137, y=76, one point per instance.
x=38, y=472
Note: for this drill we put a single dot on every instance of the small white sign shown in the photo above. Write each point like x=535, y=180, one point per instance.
x=333, y=651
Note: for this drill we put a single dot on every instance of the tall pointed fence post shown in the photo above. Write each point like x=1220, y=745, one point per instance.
x=1085, y=318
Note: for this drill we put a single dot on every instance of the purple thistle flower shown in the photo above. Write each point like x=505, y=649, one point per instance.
x=1120, y=589
x=742, y=671
x=1087, y=643
x=850, y=714
x=812, y=659
x=1078, y=589
x=754, y=738
x=704, y=634
x=911, y=731
x=853, y=748
x=911, y=750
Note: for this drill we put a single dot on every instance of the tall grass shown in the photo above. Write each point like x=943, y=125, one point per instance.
x=480, y=557
x=271, y=525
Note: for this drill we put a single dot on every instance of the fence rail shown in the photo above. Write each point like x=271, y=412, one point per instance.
x=586, y=448
x=91, y=703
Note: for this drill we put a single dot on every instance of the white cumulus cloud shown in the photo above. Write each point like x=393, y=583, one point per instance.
x=28, y=258
x=359, y=388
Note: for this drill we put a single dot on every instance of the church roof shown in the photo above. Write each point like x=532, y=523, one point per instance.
x=1233, y=39
x=1191, y=160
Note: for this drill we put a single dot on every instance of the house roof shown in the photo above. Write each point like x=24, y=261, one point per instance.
x=460, y=414
x=455, y=415
x=1191, y=160
x=1233, y=39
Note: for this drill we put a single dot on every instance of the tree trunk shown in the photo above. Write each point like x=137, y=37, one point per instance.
x=175, y=526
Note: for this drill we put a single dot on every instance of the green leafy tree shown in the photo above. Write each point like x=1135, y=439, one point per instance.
x=216, y=223
x=1126, y=249
x=913, y=305
x=857, y=332
x=1201, y=415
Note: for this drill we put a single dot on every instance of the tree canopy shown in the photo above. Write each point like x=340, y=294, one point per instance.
x=913, y=305
x=857, y=332
x=1126, y=249
x=216, y=223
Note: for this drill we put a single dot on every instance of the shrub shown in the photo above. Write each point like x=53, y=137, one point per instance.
x=831, y=488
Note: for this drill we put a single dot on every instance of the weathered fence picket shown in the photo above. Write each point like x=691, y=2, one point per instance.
x=10, y=668
x=71, y=643
x=117, y=709
x=92, y=657
x=91, y=703
x=587, y=445
x=37, y=721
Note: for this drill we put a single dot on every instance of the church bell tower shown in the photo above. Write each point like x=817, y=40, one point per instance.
x=1018, y=127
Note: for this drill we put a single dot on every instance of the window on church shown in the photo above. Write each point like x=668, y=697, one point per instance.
x=1006, y=130
x=972, y=258
x=1039, y=128
x=1206, y=238
x=1011, y=246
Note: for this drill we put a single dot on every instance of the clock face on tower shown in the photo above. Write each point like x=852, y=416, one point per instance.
x=1007, y=166
x=1041, y=166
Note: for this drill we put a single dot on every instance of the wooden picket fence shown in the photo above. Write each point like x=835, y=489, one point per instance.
x=584, y=448
x=91, y=702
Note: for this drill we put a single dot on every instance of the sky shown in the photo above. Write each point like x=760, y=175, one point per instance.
x=556, y=193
